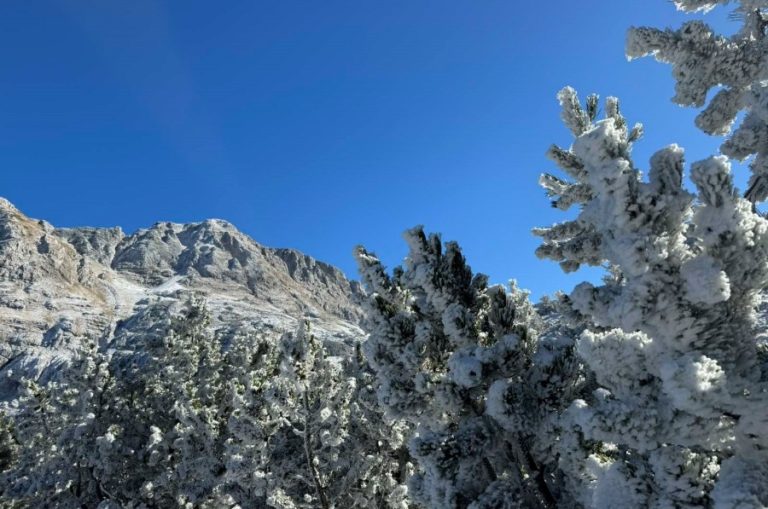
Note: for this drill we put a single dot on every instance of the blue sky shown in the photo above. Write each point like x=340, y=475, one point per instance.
x=320, y=125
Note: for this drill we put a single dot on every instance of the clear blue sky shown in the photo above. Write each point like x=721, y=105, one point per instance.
x=319, y=125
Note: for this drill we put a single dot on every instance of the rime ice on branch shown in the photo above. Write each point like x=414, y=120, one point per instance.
x=737, y=66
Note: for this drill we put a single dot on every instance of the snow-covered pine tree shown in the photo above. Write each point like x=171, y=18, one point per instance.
x=186, y=419
x=52, y=431
x=114, y=428
x=462, y=363
x=319, y=444
x=170, y=407
x=681, y=416
x=378, y=479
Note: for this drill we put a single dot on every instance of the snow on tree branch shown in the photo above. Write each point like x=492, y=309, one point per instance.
x=736, y=66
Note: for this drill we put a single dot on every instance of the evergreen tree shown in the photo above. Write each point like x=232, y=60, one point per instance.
x=672, y=342
x=55, y=448
x=319, y=442
x=186, y=419
x=462, y=363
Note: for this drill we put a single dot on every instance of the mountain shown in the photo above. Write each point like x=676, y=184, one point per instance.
x=60, y=287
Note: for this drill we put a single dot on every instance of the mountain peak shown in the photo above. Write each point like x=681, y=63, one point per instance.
x=6, y=205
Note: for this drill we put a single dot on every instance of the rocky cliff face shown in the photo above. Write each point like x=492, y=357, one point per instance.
x=61, y=287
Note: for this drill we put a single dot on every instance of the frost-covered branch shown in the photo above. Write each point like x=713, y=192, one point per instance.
x=735, y=66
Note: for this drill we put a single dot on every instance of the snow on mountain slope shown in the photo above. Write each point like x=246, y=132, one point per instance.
x=60, y=287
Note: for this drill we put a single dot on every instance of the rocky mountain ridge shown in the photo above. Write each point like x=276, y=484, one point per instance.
x=62, y=286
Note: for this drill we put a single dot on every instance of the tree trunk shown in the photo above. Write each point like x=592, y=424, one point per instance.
x=525, y=460
x=311, y=456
